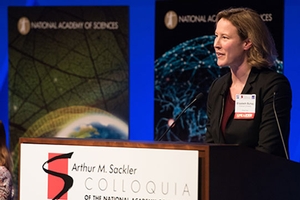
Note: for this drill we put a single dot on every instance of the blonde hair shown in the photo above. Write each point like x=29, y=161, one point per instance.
x=5, y=155
x=250, y=26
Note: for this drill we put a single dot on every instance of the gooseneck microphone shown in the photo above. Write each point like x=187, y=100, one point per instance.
x=199, y=96
x=279, y=128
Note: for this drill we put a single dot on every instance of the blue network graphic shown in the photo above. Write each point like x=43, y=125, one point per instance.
x=180, y=75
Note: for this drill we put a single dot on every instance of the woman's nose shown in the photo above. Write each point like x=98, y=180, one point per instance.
x=217, y=43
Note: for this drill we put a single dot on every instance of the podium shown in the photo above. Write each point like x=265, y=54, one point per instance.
x=224, y=171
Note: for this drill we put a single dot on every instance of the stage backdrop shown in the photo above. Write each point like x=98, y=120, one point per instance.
x=68, y=73
x=185, y=62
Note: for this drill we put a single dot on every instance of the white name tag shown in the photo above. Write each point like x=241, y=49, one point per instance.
x=245, y=106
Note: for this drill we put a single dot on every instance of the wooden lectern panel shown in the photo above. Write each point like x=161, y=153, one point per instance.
x=225, y=171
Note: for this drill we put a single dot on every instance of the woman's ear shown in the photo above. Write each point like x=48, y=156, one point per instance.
x=248, y=44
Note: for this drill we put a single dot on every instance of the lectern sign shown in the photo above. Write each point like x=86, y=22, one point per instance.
x=107, y=173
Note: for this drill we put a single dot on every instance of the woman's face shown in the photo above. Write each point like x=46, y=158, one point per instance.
x=230, y=49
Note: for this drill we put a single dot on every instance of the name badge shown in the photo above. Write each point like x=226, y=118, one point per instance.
x=245, y=106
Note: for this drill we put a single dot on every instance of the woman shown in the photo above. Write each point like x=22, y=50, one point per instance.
x=243, y=105
x=6, y=186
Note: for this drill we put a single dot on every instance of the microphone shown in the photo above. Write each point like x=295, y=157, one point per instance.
x=279, y=128
x=199, y=96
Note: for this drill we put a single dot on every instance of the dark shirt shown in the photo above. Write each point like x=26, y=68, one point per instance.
x=228, y=110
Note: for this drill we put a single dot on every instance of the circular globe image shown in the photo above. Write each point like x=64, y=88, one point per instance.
x=79, y=122
x=95, y=126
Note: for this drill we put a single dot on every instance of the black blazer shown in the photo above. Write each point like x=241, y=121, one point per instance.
x=262, y=132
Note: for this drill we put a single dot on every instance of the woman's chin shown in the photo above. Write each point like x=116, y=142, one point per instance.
x=222, y=65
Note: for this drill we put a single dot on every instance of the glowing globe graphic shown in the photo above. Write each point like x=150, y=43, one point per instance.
x=95, y=126
x=79, y=122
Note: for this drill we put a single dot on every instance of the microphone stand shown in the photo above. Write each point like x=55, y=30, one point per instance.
x=199, y=96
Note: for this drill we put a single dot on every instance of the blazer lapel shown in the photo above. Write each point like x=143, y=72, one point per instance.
x=223, y=93
x=252, y=77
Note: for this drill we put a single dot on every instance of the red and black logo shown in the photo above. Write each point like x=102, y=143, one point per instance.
x=59, y=182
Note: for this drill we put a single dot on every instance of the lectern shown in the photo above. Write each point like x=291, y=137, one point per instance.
x=224, y=171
